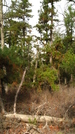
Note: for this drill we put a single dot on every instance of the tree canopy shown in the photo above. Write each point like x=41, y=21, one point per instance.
x=19, y=51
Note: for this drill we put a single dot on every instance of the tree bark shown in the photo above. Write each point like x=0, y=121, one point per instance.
x=2, y=87
x=2, y=105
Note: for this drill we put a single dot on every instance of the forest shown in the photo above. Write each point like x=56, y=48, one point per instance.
x=37, y=71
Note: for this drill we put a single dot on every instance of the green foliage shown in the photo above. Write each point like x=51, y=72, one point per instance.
x=69, y=25
x=10, y=59
x=16, y=25
x=46, y=20
x=15, y=60
x=19, y=54
x=34, y=122
x=68, y=62
x=55, y=50
x=45, y=73
x=17, y=33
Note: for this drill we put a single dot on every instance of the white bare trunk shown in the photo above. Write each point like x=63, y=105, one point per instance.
x=2, y=31
x=71, y=78
x=34, y=77
x=24, y=73
x=37, y=56
x=51, y=59
x=2, y=105
x=65, y=80
x=1, y=24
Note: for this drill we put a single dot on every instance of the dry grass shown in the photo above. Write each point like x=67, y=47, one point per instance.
x=57, y=104
x=42, y=103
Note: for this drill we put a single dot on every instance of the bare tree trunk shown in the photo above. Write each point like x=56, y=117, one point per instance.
x=2, y=86
x=34, y=77
x=37, y=56
x=65, y=80
x=24, y=73
x=50, y=59
x=2, y=105
x=2, y=46
x=51, y=30
x=1, y=23
x=2, y=40
x=71, y=78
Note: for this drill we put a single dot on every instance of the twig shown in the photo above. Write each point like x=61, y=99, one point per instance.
x=68, y=109
x=32, y=127
x=40, y=107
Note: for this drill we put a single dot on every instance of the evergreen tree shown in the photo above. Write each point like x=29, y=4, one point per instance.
x=70, y=26
x=46, y=20
x=67, y=68
x=17, y=36
x=17, y=27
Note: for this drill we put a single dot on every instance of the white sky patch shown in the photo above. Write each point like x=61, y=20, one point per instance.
x=35, y=8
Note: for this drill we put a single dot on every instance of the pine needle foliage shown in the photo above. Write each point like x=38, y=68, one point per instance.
x=10, y=59
x=49, y=75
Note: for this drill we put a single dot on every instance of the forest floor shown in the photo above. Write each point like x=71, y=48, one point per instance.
x=59, y=104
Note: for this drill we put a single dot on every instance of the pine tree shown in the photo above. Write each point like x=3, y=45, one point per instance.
x=47, y=17
x=17, y=36
x=17, y=27
x=69, y=16
x=46, y=20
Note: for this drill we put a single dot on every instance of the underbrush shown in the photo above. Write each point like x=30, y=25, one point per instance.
x=58, y=103
x=33, y=102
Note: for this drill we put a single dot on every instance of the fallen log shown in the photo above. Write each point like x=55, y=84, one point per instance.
x=39, y=119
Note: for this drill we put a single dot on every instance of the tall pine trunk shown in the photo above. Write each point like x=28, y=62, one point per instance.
x=51, y=30
x=2, y=46
x=1, y=24
x=36, y=64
